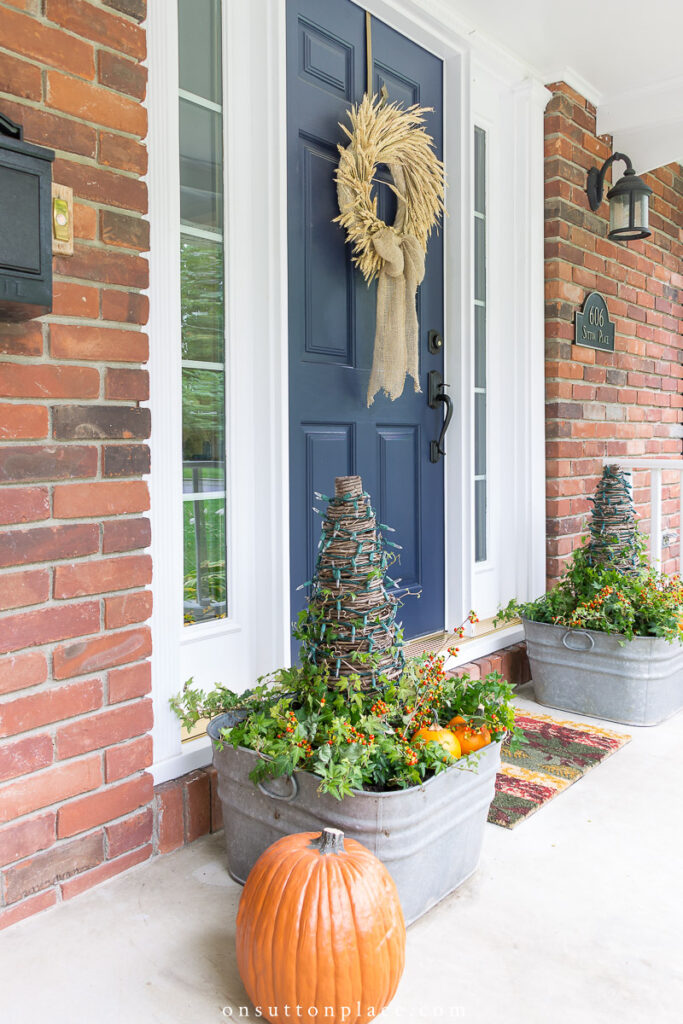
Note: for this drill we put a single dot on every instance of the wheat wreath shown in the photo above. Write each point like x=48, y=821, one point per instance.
x=395, y=254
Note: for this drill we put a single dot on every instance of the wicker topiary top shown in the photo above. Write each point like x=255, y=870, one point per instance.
x=613, y=532
x=350, y=611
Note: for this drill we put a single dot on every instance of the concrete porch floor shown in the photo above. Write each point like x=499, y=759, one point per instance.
x=576, y=915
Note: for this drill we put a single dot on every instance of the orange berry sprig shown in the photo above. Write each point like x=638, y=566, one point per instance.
x=583, y=611
x=459, y=631
x=431, y=675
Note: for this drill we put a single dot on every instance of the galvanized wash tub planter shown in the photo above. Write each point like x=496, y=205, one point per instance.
x=430, y=837
x=639, y=682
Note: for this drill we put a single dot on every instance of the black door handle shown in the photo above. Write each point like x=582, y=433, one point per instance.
x=435, y=396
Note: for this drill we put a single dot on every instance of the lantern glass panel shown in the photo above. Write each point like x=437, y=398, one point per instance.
x=640, y=210
x=618, y=212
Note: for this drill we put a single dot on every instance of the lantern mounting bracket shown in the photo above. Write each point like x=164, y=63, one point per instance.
x=596, y=178
x=10, y=128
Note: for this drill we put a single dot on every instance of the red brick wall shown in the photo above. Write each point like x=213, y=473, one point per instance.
x=601, y=403
x=75, y=712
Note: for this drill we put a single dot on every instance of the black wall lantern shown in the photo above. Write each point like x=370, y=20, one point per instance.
x=628, y=200
x=25, y=225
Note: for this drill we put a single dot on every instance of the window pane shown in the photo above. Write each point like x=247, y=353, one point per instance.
x=480, y=346
x=480, y=170
x=480, y=520
x=202, y=476
x=203, y=415
x=199, y=32
x=480, y=434
x=205, y=583
x=201, y=171
x=480, y=259
x=202, y=298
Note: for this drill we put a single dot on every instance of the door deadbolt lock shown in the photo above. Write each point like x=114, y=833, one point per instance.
x=434, y=343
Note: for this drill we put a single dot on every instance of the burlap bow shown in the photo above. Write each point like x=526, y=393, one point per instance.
x=396, y=350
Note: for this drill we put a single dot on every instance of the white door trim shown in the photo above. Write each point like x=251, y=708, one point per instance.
x=164, y=364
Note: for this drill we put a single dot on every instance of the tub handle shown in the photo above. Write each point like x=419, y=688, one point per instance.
x=577, y=633
x=276, y=796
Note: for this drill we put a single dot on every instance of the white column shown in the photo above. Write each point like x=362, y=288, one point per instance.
x=528, y=335
x=165, y=373
x=656, y=518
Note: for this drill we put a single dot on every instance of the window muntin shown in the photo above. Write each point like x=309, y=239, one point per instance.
x=202, y=286
x=481, y=483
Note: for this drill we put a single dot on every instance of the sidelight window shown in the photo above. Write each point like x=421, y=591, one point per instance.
x=202, y=295
x=480, y=378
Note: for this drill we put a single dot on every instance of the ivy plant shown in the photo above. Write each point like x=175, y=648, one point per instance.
x=354, y=737
x=588, y=596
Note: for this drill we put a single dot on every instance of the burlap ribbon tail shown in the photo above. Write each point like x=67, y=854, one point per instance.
x=396, y=349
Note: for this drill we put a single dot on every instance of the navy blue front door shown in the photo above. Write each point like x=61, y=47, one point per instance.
x=332, y=311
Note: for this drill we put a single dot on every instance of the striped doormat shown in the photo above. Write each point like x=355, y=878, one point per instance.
x=555, y=755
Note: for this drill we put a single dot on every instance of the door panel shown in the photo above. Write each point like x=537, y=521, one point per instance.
x=329, y=309
x=324, y=59
x=326, y=445
x=398, y=497
x=400, y=88
x=332, y=311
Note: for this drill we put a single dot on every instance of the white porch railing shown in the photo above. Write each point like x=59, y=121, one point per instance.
x=656, y=468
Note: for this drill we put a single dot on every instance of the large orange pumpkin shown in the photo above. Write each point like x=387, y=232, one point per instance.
x=320, y=925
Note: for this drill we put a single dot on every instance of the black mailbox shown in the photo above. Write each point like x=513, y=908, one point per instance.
x=25, y=225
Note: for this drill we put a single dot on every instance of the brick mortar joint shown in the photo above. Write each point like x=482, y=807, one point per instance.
x=65, y=840
x=42, y=19
x=81, y=160
x=128, y=18
x=53, y=683
x=50, y=729
x=47, y=359
x=57, y=805
x=41, y=106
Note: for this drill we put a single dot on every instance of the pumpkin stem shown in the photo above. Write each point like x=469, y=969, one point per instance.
x=331, y=841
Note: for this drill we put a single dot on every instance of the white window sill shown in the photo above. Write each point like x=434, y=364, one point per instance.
x=195, y=754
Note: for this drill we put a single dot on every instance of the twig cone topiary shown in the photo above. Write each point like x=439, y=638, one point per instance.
x=350, y=626
x=613, y=534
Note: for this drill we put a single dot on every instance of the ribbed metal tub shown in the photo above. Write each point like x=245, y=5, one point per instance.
x=430, y=837
x=639, y=683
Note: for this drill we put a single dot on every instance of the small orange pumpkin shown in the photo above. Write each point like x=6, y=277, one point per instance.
x=470, y=739
x=320, y=925
x=444, y=737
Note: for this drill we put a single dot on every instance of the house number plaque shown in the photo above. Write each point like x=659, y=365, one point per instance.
x=593, y=326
